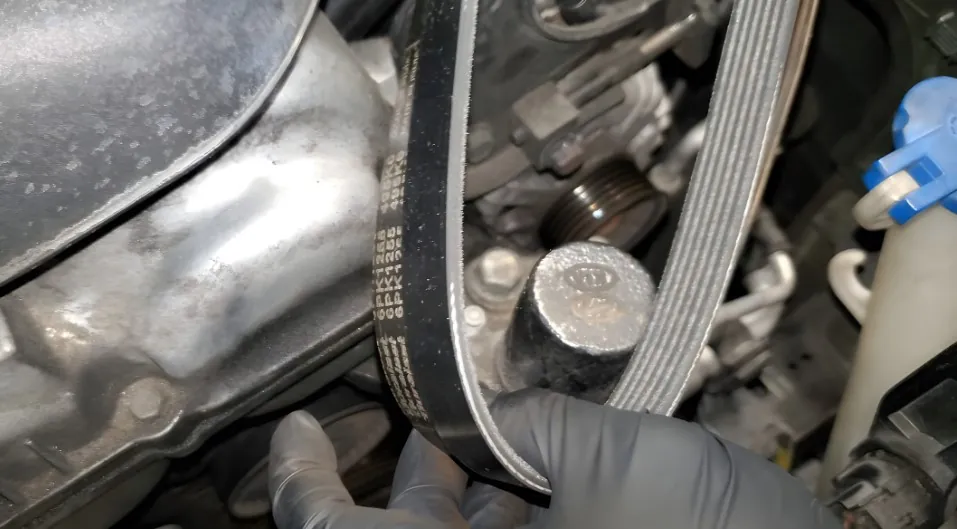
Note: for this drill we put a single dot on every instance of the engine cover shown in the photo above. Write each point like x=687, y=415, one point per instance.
x=105, y=102
x=243, y=280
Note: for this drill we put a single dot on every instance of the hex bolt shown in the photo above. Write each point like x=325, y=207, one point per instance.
x=475, y=320
x=474, y=316
x=568, y=157
x=499, y=271
x=519, y=136
x=144, y=402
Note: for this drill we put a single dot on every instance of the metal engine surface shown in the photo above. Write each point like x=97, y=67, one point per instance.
x=233, y=286
x=106, y=102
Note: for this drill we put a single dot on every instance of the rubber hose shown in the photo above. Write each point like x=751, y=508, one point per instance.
x=357, y=18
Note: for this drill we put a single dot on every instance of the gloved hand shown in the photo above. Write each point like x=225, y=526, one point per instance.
x=428, y=490
x=609, y=469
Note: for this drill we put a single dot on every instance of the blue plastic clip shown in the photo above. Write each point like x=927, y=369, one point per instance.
x=925, y=136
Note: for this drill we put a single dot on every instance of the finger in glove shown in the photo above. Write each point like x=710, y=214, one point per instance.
x=488, y=507
x=612, y=469
x=306, y=490
x=429, y=484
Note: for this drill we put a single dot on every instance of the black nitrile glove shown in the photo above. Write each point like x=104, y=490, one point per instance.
x=614, y=469
x=609, y=469
x=428, y=491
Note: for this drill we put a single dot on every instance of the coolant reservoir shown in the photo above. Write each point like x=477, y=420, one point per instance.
x=912, y=313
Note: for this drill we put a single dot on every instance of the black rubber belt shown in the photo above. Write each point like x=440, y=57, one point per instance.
x=418, y=254
x=412, y=285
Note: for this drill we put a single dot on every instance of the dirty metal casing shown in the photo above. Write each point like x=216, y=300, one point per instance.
x=106, y=102
x=242, y=281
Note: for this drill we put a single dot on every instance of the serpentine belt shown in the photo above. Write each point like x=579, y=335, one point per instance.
x=418, y=263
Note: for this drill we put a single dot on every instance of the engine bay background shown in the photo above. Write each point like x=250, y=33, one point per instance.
x=159, y=336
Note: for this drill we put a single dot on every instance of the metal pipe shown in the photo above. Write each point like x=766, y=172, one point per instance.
x=784, y=269
x=631, y=61
x=781, y=265
x=607, y=24
x=671, y=175
x=842, y=276
x=767, y=231
x=684, y=154
x=707, y=366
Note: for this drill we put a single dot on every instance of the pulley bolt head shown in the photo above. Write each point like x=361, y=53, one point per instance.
x=499, y=271
x=582, y=314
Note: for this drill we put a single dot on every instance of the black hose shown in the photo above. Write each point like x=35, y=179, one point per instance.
x=356, y=19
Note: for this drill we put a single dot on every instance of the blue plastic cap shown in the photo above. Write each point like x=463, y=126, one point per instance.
x=925, y=136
